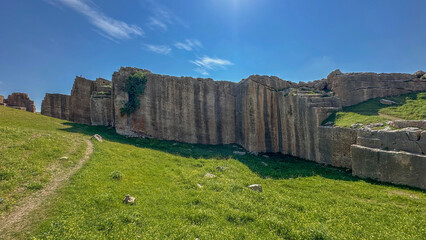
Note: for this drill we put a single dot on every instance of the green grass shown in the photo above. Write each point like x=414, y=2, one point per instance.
x=300, y=199
x=30, y=151
x=410, y=107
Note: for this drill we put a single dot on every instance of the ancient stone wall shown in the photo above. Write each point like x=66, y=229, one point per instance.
x=353, y=88
x=21, y=101
x=56, y=105
x=2, y=100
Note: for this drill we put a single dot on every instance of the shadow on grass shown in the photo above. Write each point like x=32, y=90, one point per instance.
x=271, y=165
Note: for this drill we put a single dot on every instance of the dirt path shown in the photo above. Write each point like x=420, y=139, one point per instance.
x=17, y=219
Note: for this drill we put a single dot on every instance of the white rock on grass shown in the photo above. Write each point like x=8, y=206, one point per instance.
x=98, y=137
x=387, y=102
x=256, y=187
x=265, y=164
x=239, y=153
x=129, y=199
x=209, y=175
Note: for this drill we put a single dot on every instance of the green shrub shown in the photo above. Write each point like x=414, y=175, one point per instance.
x=135, y=87
x=116, y=175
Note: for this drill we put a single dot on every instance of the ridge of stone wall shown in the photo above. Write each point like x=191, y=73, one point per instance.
x=260, y=113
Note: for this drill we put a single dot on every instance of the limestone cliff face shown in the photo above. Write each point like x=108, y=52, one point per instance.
x=56, y=105
x=353, y=88
x=261, y=113
x=80, y=100
x=178, y=108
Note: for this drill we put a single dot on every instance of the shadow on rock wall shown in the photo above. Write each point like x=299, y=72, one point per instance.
x=275, y=166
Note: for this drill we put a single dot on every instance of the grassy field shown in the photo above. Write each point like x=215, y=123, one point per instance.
x=32, y=147
x=410, y=107
x=300, y=199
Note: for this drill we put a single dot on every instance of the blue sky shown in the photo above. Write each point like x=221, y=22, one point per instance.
x=44, y=44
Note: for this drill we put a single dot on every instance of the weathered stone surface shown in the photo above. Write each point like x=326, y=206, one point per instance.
x=21, y=100
x=408, y=140
x=419, y=73
x=335, y=146
x=387, y=102
x=1, y=99
x=209, y=175
x=260, y=113
x=56, y=105
x=98, y=137
x=408, y=123
x=90, y=103
x=389, y=166
x=128, y=199
x=178, y=108
x=256, y=187
x=80, y=100
x=353, y=88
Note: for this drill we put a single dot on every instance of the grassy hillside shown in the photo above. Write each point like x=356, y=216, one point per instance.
x=409, y=107
x=300, y=199
x=32, y=147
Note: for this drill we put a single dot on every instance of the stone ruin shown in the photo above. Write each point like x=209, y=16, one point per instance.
x=260, y=113
x=18, y=101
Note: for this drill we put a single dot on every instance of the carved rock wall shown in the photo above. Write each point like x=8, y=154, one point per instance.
x=353, y=88
x=182, y=109
x=56, y=105
x=90, y=103
x=21, y=100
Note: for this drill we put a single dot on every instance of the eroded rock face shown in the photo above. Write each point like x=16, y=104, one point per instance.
x=353, y=88
x=178, y=108
x=56, y=105
x=89, y=103
x=21, y=100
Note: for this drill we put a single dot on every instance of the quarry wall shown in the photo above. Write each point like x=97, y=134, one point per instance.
x=89, y=103
x=19, y=101
x=261, y=113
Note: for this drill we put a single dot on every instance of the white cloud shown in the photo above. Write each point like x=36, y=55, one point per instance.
x=161, y=16
x=211, y=63
x=207, y=63
x=188, y=45
x=160, y=49
x=156, y=23
x=113, y=28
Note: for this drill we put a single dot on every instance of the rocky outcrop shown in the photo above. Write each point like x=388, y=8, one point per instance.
x=89, y=103
x=56, y=105
x=20, y=101
x=353, y=88
x=178, y=108
x=261, y=113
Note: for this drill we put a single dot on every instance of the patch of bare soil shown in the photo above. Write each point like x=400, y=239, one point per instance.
x=16, y=220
